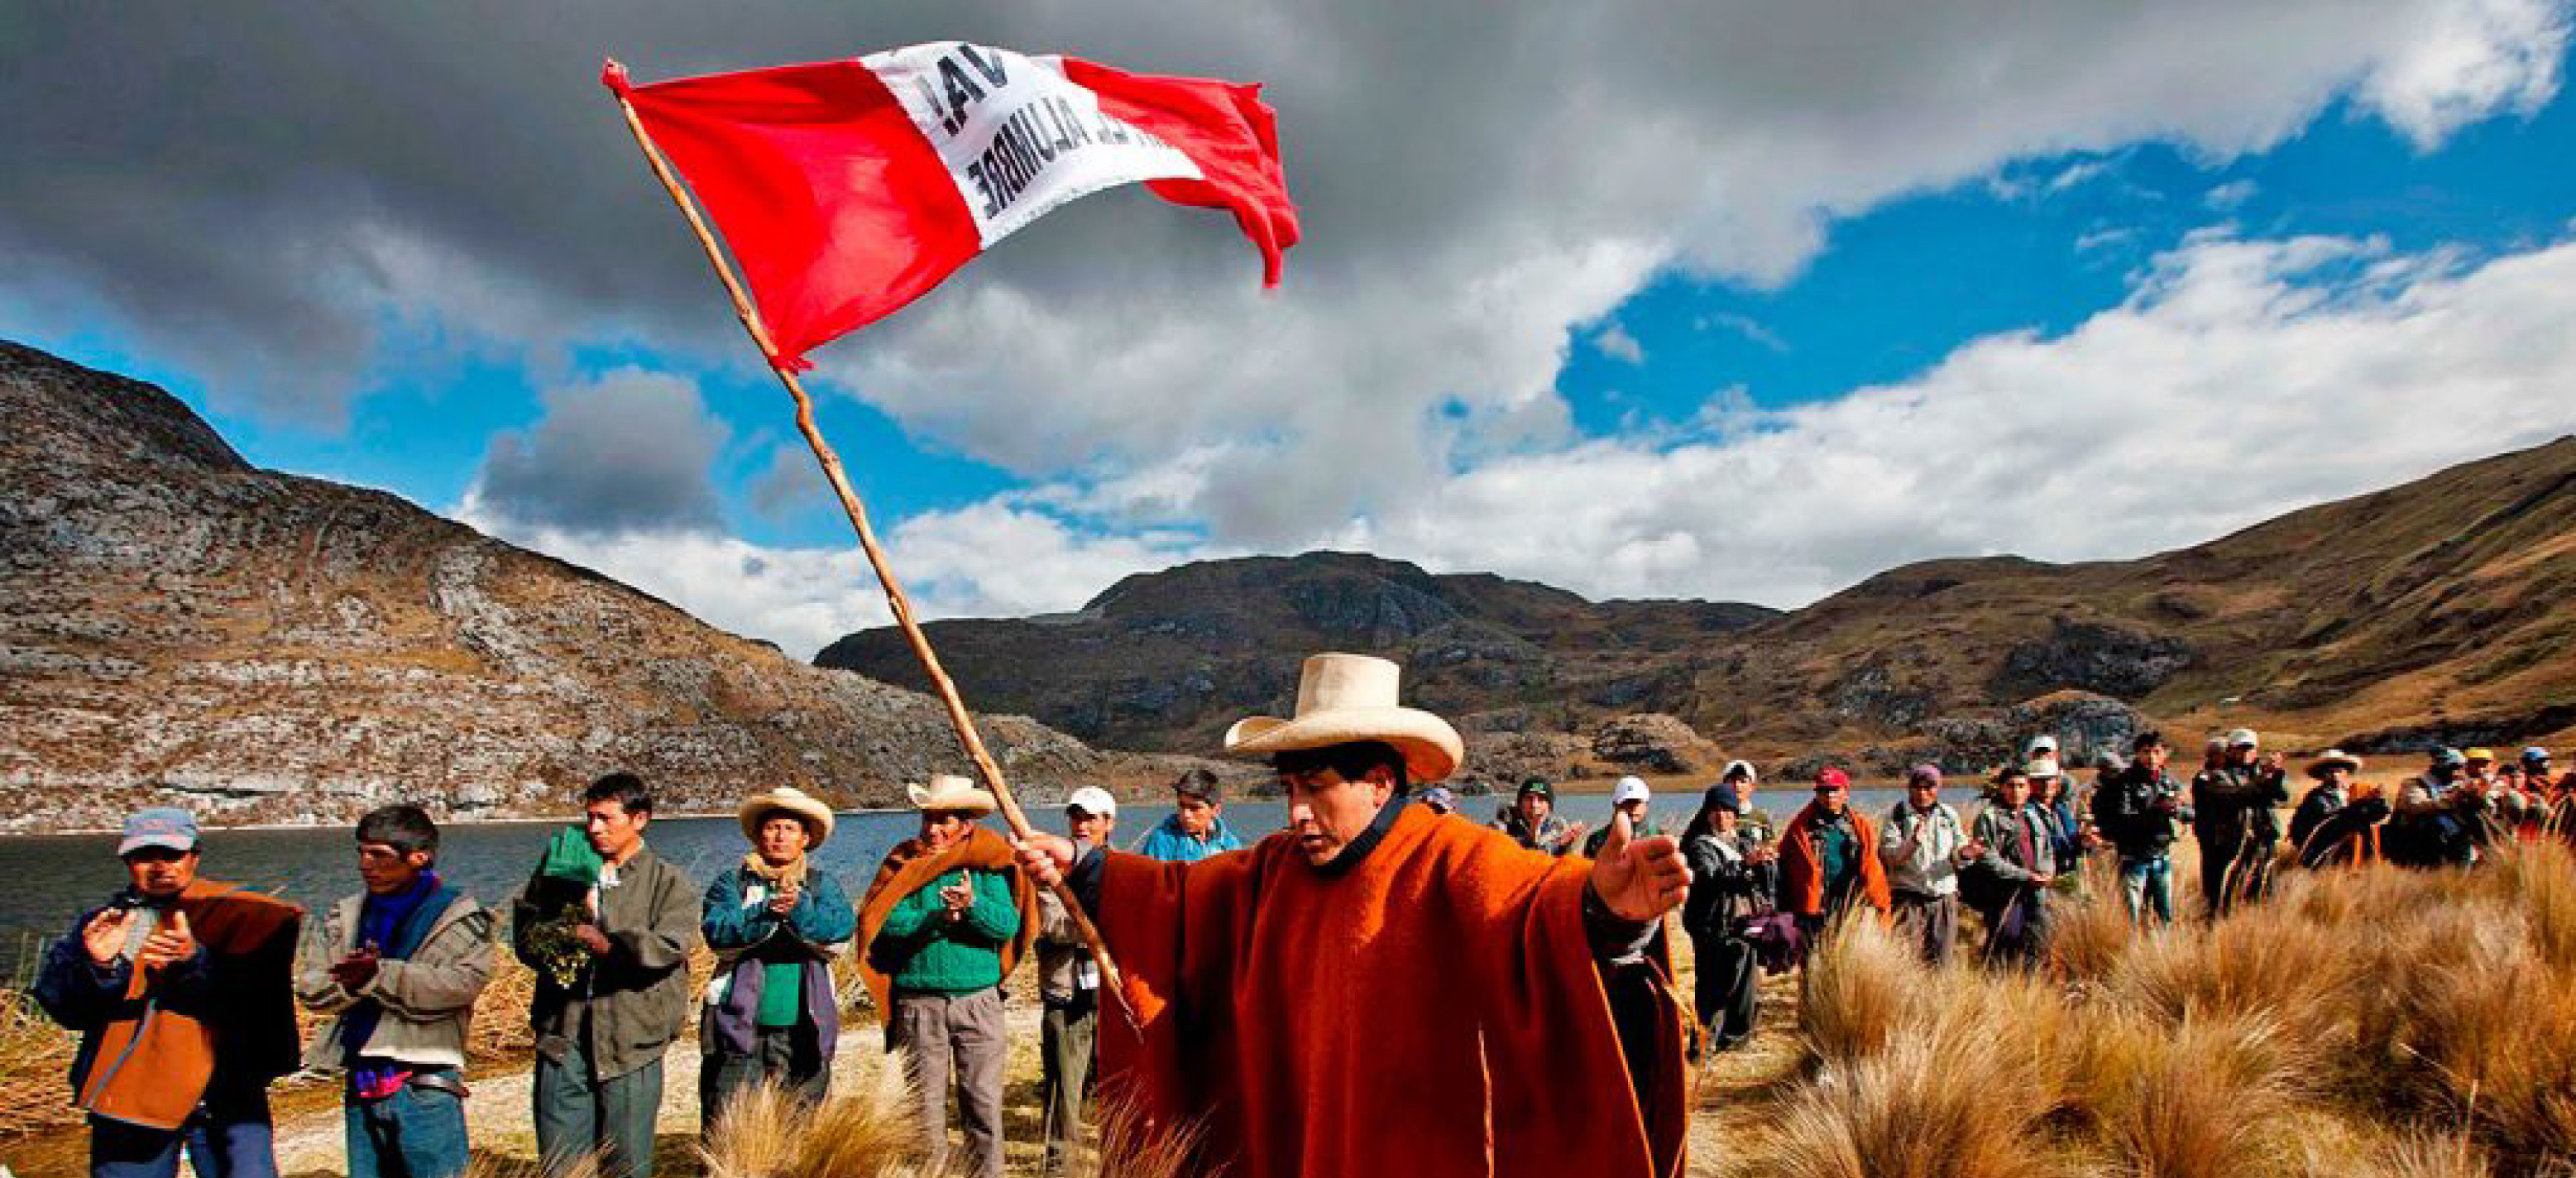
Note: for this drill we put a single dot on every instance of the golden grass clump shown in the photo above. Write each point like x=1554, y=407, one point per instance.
x=2189, y=1100
x=2420, y=1155
x=2267, y=960
x=2088, y=935
x=2489, y=1032
x=1860, y=980
x=35, y=1054
x=1133, y=1145
x=1923, y=1108
x=766, y=1132
x=2380, y=1022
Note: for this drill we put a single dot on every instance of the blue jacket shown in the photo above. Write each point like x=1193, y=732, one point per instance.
x=747, y=938
x=1167, y=843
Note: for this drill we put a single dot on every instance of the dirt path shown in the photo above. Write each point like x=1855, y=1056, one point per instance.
x=499, y=1114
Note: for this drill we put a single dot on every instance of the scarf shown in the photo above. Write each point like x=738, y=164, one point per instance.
x=381, y=919
x=787, y=877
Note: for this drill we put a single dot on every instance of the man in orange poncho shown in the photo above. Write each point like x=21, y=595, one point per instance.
x=1373, y=990
x=943, y=923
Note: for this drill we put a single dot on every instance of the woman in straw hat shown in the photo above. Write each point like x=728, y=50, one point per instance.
x=775, y=925
x=1376, y=989
x=945, y=920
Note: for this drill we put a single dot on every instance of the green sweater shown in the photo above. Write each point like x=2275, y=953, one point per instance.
x=935, y=956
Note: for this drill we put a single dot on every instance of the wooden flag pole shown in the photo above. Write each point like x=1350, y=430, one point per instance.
x=858, y=513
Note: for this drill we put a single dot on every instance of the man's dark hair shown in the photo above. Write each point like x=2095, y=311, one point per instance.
x=625, y=789
x=1352, y=761
x=404, y=827
x=1200, y=783
x=2146, y=740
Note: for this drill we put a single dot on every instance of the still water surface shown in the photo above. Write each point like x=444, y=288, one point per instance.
x=45, y=880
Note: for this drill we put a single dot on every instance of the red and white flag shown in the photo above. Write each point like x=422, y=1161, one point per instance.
x=845, y=189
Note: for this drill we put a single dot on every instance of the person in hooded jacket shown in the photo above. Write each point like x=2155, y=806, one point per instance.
x=1732, y=877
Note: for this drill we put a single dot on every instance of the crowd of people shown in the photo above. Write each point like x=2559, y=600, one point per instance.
x=1380, y=951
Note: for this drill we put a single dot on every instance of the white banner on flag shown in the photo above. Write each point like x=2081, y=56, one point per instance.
x=1017, y=136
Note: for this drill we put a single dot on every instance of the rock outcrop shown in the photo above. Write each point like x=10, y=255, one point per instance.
x=178, y=625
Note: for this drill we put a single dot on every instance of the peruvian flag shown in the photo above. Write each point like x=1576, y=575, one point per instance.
x=845, y=189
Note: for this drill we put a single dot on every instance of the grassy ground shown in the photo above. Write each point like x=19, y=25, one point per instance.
x=2365, y=1024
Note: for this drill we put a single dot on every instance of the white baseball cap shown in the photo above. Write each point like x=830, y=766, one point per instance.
x=2241, y=738
x=2041, y=741
x=1629, y=789
x=1092, y=799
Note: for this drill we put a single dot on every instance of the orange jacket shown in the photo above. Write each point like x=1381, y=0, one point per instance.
x=1802, y=878
x=155, y=1051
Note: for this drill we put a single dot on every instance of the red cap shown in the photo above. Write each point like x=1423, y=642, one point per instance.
x=1833, y=779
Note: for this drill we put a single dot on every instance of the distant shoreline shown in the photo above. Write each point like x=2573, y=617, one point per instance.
x=85, y=831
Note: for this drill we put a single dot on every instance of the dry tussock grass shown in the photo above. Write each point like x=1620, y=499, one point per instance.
x=1860, y=984
x=2190, y=1100
x=766, y=1132
x=2089, y=935
x=1133, y=1145
x=34, y=1054
x=1904, y=1113
x=2374, y=1023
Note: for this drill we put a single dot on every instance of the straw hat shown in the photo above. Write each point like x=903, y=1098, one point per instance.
x=1342, y=698
x=950, y=793
x=2331, y=758
x=793, y=802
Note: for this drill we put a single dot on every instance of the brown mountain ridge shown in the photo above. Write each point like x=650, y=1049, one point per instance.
x=178, y=626
x=2441, y=610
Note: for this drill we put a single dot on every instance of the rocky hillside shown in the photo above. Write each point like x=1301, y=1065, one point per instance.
x=175, y=624
x=1167, y=660
x=2440, y=610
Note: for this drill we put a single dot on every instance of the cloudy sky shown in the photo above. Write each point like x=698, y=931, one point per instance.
x=1720, y=300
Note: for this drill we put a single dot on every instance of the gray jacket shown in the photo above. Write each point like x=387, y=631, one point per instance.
x=427, y=998
x=1921, y=850
x=629, y=1003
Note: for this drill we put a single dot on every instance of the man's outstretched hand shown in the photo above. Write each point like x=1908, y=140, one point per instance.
x=1640, y=879
x=1045, y=857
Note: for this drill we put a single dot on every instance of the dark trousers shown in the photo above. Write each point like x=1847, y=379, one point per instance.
x=789, y=1057
x=2232, y=872
x=229, y=1137
x=1723, y=990
x=2017, y=933
x=578, y=1112
x=414, y=1133
x=1930, y=923
x=1065, y=1035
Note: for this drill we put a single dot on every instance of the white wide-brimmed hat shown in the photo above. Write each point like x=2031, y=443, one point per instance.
x=949, y=792
x=795, y=802
x=2333, y=758
x=1344, y=698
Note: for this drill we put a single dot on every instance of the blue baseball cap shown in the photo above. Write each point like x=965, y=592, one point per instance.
x=159, y=826
x=2535, y=753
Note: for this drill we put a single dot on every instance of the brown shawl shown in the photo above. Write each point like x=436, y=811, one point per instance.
x=1433, y=1011
x=909, y=868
